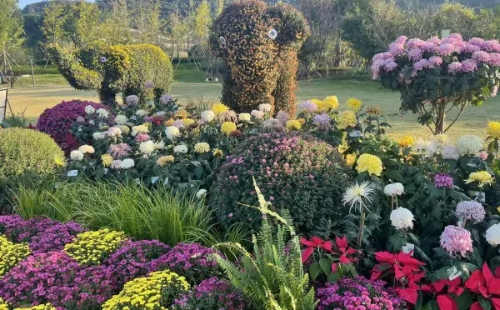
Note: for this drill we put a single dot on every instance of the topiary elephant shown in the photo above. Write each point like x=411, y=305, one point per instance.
x=259, y=46
x=143, y=70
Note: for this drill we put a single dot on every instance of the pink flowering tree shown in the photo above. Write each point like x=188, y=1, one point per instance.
x=437, y=76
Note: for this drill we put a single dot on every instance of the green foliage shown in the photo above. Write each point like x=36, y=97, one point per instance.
x=253, y=57
x=10, y=24
x=296, y=172
x=272, y=277
x=135, y=210
x=27, y=150
x=118, y=68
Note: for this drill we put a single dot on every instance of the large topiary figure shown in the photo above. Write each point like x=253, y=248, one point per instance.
x=259, y=45
x=294, y=172
x=57, y=121
x=26, y=150
x=143, y=70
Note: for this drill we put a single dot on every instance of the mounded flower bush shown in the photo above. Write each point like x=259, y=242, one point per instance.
x=294, y=172
x=57, y=121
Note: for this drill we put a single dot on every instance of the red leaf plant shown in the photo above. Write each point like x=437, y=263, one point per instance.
x=340, y=249
x=406, y=271
x=486, y=284
x=443, y=288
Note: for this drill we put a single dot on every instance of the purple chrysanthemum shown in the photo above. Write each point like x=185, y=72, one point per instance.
x=283, y=117
x=446, y=49
x=481, y=56
x=456, y=240
x=415, y=54
x=470, y=210
x=323, y=121
x=443, y=180
x=309, y=106
x=454, y=67
x=469, y=65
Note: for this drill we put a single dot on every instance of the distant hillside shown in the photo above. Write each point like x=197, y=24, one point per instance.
x=472, y=3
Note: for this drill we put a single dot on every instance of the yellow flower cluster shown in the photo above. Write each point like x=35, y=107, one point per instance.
x=202, y=147
x=482, y=177
x=406, y=141
x=219, y=108
x=3, y=304
x=92, y=247
x=140, y=129
x=330, y=103
x=350, y=159
x=347, y=119
x=106, y=160
x=227, y=127
x=164, y=160
x=11, y=254
x=188, y=121
x=39, y=307
x=494, y=130
x=59, y=160
x=293, y=124
x=354, y=104
x=218, y=153
x=181, y=114
x=370, y=164
x=156, y=291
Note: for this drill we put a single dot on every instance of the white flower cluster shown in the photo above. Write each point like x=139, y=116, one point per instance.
x=394, y=189
x=402, y=218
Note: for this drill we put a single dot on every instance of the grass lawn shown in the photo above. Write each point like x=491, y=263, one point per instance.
x=190, y=86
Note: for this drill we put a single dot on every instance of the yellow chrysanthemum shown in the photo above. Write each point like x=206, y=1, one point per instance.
x=227, y=127
x=11, y=254
x=347, y=119
x=406, y=141
x=370, y=164
x=92, y=247
x=441, y=138
x=350, y=159
x=293, y=124
x=202, y=147
x=125, y=129
x=3, y=304
x=374, y=110
x=218, y=153
x=354, y=104
x=482, y=177
x=164, y=160
x=219, y=108
x=317, y=102
x=182, y=114
x=169, y=122
x=140, y=129
x=106, y=160
x=188, y=121
x=494, y=130
x=59, y=160
x=330, y=103
x=39, y=307
x=301, y=120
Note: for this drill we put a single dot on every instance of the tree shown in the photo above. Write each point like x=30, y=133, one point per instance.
x=457, y=18
x=202, y=20
x=116, y=28
x=10, y=24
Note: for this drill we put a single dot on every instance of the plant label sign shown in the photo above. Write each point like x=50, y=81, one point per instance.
x=72, y=173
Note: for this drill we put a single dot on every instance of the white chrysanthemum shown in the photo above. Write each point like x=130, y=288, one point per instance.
x=265, y=107
x=147, y=147
x=86, y=149
x=244, y=117
x=141, y=112
x=160, y=113
x=469, y=144
x=98, y=135
x=76, y=155
x=159, y=145
x=207, y=116
x=132, y=100
x=421, y=146
x=402, y=218
x=121, y=119
x=103, y=113
x=394, y=189
x=172, y=132
x=89, y=110
x=493, y=235
x=201, y=193
x=257, y=114
x=202, y=147
x=358, y=195
x=450, y=152
x=127, y=163
x=181, y=149
x=114, y=132
x=139, y=129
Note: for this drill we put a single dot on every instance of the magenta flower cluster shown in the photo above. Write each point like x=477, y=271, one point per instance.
x=443, y=180
x=470, y=210
x=356, y=294
x=456, y=241
x=211, y=293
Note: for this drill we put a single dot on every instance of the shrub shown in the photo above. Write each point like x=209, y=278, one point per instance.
x=349, y=293
x=11, y=254
x=295, y=172
x=57, y=121
x=27, y=151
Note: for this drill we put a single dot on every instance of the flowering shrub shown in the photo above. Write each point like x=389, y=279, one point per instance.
x=211, y=294
x=57, y=121
x=11, y=254
x=156, y=291
x=92, y=247
x=192, y=260
x=356, y=293
x=435, y=74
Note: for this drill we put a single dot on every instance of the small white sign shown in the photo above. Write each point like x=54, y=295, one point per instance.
x=154, y=179
x=355, y=134
x=138, y=181
x=72, y=173
x=105, y=170
x=445, y=33
x=408, y=248
x=166, y=181
x=453, y=273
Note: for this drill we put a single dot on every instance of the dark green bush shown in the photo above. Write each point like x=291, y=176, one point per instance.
x=295, y=172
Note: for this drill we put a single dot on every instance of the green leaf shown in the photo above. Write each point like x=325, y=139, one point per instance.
x=464, y=301
x=486, y=304
x=314, y=271
x=334, y=277
x=326, y=265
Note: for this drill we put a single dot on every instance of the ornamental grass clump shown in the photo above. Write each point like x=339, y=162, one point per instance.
x=11, y=254
x=92, y=247
x=156, y=291
x=295, y=172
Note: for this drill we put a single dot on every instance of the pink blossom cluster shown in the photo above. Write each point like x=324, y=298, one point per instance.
x=429, y=54
x=470, y=210
x=456, y=240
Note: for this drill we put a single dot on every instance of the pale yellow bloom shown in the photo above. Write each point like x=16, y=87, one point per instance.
x=350, y=159
x=482, y=177
x=164, y=160
x=354, y=104
x=494, y=130
x=219, y=108
x=293, y=124
x=227, y=127
x=406, y=141
x=347, y=119
x=370, y=164
x=106, y=160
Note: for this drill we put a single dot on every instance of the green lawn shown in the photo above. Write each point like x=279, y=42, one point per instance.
x=190, y=86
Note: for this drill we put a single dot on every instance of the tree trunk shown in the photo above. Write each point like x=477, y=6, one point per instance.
x=440, y=119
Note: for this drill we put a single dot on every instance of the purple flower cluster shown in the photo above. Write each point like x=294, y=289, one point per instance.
x=470, y=210
x=211, y=293
x=443, y=180
x=323, y=121
x=191, y=260
x=358, y=293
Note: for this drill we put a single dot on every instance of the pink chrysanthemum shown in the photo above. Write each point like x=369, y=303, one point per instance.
x=476, y=41
x=446, y=49
x=494, y=59
x=470, y=48
x=491, y=46
x=415, y=43
x=456, y=240
x=390, y=65
x=420, y=65
x=415, y=54
x=429, y=47
x=470, y=210
x=469, y=65
x=401, y=40
x=119, y=150
x=494, y=91
x=178, y=123
x=435, y=61
x=142, y=137
x=454, y=67
x=382, y=56
x=435, y=40
x=481, y=56
x=396, y=49
x=443, y=180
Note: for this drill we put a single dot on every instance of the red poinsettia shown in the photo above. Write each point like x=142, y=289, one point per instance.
x=406, y=270
x=488, y=285
x=313, y=244
x=444, y=300
x=341, y=249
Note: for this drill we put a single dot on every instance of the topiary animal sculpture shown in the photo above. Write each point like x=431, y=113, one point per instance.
x=259, y=46
x=143, y=70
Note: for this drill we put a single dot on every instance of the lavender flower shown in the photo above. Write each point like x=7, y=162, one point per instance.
x=456, y=240
x=309, y=106
x=165, y=99
x=178, y=123
x=323, y=121
x=455, y=67
x=283, y=117
x=103, y=59
x=470, y=210
x=443, y=180
x=132, y=100
x=149, y=85
x=469, y=65
x=55, y=237
x=446, y=49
